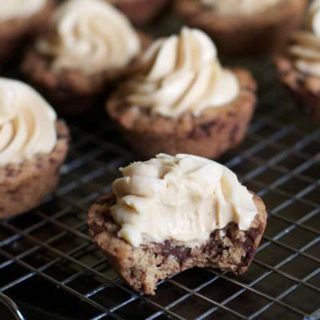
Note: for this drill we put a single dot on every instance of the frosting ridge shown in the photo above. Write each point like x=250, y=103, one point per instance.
x=181, y=74
x=27, y=123
x=182, y=198
x=305, y=44
x=91, y=36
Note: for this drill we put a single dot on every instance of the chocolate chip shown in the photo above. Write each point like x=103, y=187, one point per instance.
x=96, y=229
x=206, y=127
x=181, y=253
x=234, y=134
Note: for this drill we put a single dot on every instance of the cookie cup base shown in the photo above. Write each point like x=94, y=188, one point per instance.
x=24, y=186
x=209, y=135
x=228, y=249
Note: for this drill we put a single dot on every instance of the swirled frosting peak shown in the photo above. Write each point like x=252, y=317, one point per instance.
x=27, y=123
x=182, y=198
x=182, y=74
x=240, y=6
x=12, y=9
x=91, y=36
x=305, y=44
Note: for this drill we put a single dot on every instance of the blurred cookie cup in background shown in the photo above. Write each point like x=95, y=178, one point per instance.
x=33, y=147
x=298, y=65
x=20, y=21
x=141, y=12
x=244, y=26
x=88, y=47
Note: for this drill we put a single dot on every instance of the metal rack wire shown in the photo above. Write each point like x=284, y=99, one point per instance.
x=51, y=269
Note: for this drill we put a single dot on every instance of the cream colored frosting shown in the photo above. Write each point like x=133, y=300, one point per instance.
x=91, y=36
x=182, y=74
x=235, y=7
x=27, y=123
x=11, y=9
x=305, y=47
x=182, y=198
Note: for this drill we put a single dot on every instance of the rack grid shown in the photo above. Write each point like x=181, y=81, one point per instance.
x=50, y=268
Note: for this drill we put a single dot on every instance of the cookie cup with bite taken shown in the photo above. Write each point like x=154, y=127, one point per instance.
x=173, y=213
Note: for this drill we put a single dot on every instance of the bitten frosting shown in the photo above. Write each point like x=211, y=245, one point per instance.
x=182, y=74
x=27, y=123
x=239, y=6
x=182, y=198
x=12, y=9
x=91, y=36
x=305, y=44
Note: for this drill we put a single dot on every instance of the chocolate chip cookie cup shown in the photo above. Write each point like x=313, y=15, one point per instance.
x=299, y=64
x=20, y=21
x=181, y=100
x=244, y=27
x=141, y=12
x=89, y=46
x=173, y=213
x=33, y=147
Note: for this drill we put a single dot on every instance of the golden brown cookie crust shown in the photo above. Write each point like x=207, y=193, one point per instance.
x=142, y=267
x=72, y=92
x=209, y=135
x=23, y=186
x=305, y=88
x=141, y=12
x=15, y=33
x=260, y=33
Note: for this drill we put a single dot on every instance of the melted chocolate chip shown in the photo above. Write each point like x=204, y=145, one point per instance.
x=96, y=229
x=179, y=252
x=220, y=242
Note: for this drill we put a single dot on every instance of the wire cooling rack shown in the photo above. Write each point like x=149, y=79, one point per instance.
x=50, y=268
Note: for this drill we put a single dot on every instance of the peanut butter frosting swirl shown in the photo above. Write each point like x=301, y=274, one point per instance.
x=182, y=74
x=12, y=9
x=91, y=36
x=27, y=123
x=182, y=198
x=305, y=44
x=234, y=7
